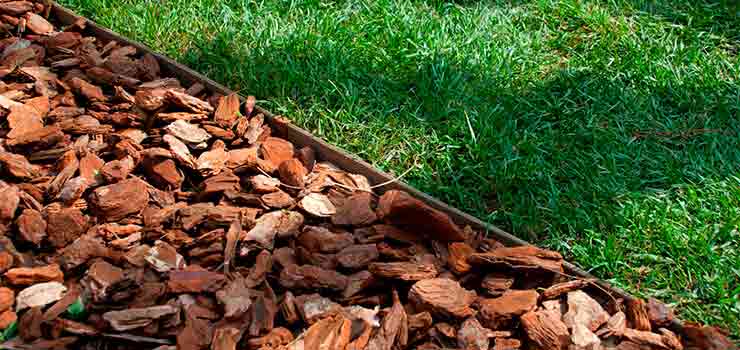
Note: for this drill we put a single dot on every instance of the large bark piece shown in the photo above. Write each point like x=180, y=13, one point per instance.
x=405, y=271
x=117, y=201
x=399, y=208
x=524, y=257
x=546, y=330
x=357, y=210
x=312, y=277
x=443, y=297
x=499, y=312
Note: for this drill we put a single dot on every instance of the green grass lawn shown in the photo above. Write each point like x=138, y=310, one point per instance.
x=607, y=130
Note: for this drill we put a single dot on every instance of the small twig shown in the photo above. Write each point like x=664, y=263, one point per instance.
x=590, y=281
x=395, y=179
x=281, y=183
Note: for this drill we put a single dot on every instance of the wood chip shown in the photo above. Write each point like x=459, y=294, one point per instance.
x=442, y=297
x=545, y=329
x=499, y=312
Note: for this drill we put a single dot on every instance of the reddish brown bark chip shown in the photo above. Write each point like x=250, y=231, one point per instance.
x=188, y=133
x=357, y=282
x=321, y=240
x=644, y=338
x=213, y=161
x=312, y=277
x=307, y=156
x=705, y=338
x=670, y=339
x=393, y=330
x=243, y=157
x=23, y=119
x=224, y=182
x=61, y=306
x=18, y=166
x=276, y=223
x=117, y=201
x=260, y=269
x=400, y=208
x=227, y=111
x=163, y=173
x=442, y=297
x=276, y=338
x=225, y=338
x=6, y=261
x=660, y=315
x=637, y=315
x=219, y=133
x=81, y=251
x=26, y=276
x=545, y=330
x=496, y=284
x=164, y=258
x=117, y=170
x=264, y=184
x=559, y=289
x=16, y=8
x=251, y=130
x=278, y=200
x=38, y=25
x=357, y=210
x=41, y=138
x=90, y=91
x=262, y=313
x=357, y=256
x=276, y=151
x=524, y=257
x=9, y=200
x=7, y=299
x=458, y=258
x=498, y=312
x=151, y=68
x=7, y=318
x=506, y=344
x=235, y=297
x=65, y=226
x=405, y=271
x=289, y=309
x=196, y=335
x=292, y=172
x=188, y=102
x=73, y=190
x=101, y=276
x=472, y=335
x=129, y=319
x=332, y=333
x=615, y=326
x=29, y=325
x=194, y=281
